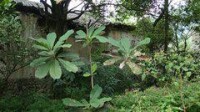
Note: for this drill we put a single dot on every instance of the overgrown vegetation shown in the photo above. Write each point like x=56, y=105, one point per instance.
x=159, y=72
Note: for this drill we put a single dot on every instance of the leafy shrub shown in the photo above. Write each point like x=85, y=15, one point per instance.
x=13, y=49
x=92, y=34
x=154, y=99
x=30, y=102
x=51, y=58
x=94, y=102
x=114, y=80
x=166, y=67
x=126, y=53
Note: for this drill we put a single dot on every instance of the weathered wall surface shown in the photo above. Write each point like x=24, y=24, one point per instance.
x=31, y=30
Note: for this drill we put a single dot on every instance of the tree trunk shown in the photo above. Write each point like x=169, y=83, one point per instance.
x=166, y=36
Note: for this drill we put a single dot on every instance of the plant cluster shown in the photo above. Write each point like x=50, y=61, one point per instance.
x=166, y=67
x=167, y=99
x=52, y=58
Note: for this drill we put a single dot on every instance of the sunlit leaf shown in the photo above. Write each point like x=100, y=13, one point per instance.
x=42, y=71
x=69, y=66
x=40, y=47
x=94, y=67
x=102, y=39
x=87, y=74
x=91, y=31
x=81, y=34
x=96, y=92
x=99, y=30
x=143, y=42
x=111, y=61
x=66, y=35
x=136, y=69
x=51, y=37
x=66, y=46
x=38, y=61
x=126, y=43
x=55, y=70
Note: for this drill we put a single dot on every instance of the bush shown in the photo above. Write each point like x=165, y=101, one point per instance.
x=159, y=100
x=167, y=67
x=30, y=102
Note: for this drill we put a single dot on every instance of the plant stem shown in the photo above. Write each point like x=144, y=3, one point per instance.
x=90, y=62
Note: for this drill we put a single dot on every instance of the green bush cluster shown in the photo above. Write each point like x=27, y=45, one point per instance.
x=30, y=102
x=167, y=67
x=167, y=99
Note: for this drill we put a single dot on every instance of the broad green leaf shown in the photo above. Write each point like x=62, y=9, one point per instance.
x=94, y=67
x=55, y=70
x=85, y=103
x=143, y=42
x=114, y=42
x=136, y=69
x=42, y=71
x=188, y=74
x=91, y=31
x=72, y=103
x=102, y=39
x=103, y=100
x=99, y=30
x=66, y=35
x=143, y=76
x=81, y=34
x=69, y=66
x=44, y=53
x=57, y=45
x=87, y=74
x=51, y=37
x=126, y=43
x=66, y=46
x=38, y=61
x=111, y=61
x=42, y=42
x=40, y=47
x=95, y=103
x=96, y=92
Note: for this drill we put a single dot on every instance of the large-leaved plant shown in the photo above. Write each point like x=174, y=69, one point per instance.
x=126, y=53
x=94, y=102
x=51, y=58
x=92, y=34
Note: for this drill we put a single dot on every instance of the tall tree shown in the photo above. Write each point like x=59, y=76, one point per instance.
x=166, y=12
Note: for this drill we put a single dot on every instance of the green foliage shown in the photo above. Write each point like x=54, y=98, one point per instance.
x=114, y=80
x=95, y=101
x=145, y=28
x=194, y=10
x=30, y=102
x=88, y=38
x=51, y=58
x=154, y=99
x=130, y=8
x=13, y=48
x=91, y=34
x=126, y=53
x=166, y=67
